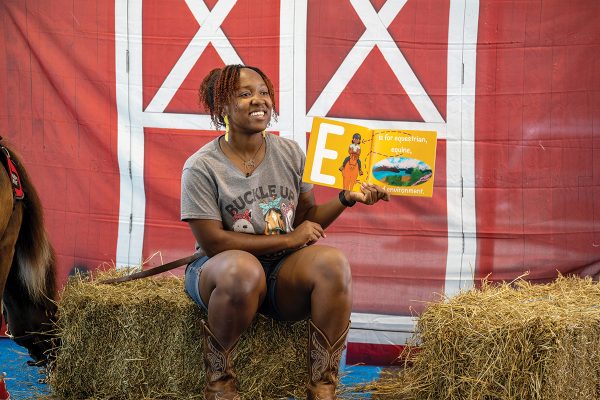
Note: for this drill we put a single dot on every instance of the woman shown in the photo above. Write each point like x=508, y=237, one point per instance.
x=353, y=151
x=233, y=192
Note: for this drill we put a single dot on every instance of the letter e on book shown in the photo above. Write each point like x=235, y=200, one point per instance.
x=321, y=152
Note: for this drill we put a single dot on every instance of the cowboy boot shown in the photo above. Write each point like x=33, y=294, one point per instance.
x=323, y=363
x=218, y=363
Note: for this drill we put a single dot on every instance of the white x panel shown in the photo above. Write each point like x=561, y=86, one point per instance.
x=377, y=35
x=209, y=32
x=294, y=120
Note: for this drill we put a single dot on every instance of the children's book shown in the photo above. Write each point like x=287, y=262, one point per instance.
x=343, y=156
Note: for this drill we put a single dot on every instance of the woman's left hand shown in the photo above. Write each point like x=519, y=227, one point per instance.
x=369, y=194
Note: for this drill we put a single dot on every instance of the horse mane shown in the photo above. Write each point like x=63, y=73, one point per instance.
x=34, y=254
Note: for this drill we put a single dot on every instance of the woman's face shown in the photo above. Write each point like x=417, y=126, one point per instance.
x=251, y=107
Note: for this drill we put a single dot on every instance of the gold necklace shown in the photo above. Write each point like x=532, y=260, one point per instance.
x=249, y=165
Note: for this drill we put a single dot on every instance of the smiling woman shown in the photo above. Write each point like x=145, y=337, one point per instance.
x=266, y=263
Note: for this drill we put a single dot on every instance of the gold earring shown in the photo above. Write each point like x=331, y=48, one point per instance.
x=264, y=133
x=226, y=128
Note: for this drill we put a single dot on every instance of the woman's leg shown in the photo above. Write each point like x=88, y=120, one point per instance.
x=316, y=281
x=344, y=163
x=233, y=285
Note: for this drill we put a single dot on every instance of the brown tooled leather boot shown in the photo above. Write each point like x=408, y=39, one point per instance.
x=323, y=363
x=220, y=378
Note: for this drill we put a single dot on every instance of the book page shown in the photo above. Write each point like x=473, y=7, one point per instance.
x=337, y=154
x=403, y=162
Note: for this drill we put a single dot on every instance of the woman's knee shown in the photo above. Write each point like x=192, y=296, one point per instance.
x=240, y=276
x=333, y=269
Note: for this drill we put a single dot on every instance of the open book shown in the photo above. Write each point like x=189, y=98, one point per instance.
x=343, y=156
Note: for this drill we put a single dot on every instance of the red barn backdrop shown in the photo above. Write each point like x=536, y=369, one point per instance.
x=99, y=97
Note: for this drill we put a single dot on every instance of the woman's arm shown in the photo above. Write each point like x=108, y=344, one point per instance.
x=214, y=239
x=324, y=214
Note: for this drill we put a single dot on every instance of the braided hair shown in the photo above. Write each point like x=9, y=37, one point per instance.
x=218, y=89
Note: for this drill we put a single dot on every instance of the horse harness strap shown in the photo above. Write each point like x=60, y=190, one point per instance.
x=20, y=339
x=156, y=270
x=13, y=174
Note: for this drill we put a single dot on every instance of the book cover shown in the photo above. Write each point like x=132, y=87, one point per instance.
x=343, y=156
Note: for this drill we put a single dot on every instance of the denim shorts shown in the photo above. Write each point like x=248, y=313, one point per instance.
x=193, y=273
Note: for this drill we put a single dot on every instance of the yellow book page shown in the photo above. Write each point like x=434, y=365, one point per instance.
x=403, y=162
x=337, y=154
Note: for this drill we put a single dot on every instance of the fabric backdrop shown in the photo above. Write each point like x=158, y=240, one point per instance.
x=99, y=98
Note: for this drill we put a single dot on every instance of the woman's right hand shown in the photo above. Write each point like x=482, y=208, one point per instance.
x=305, y=234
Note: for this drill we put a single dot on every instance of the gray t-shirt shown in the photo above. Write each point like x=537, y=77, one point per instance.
x=263, y=203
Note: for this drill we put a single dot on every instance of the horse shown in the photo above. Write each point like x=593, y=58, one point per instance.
x=27, y=262
x=350, y=172
x=274, y=222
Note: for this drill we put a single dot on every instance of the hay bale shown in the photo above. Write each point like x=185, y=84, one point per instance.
x=507, y=341
x=142, y=340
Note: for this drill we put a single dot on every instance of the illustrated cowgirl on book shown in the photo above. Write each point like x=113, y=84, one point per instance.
x=351, y=167
x=353, y=150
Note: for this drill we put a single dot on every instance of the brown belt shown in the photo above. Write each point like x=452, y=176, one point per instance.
x=155, y=270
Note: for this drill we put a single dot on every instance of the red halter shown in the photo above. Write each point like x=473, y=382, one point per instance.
x=15, y=179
